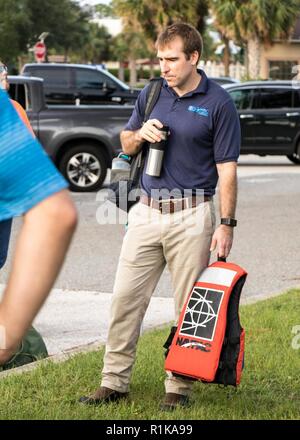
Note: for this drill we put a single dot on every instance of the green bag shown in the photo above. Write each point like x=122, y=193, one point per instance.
x=32, y=348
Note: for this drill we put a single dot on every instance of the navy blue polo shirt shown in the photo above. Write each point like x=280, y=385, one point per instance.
x=204, y=130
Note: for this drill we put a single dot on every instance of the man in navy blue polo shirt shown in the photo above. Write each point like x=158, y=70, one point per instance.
x=174, y=221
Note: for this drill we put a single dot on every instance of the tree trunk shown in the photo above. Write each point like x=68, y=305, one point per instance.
x=133, y=73
x=20, y=63
x=151, y=68
x=226, y=55
x=121, y=73
x=246, y=61
x=253, y=47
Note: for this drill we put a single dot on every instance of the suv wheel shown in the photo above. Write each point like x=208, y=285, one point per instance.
x=84, y=167
x=296, y=156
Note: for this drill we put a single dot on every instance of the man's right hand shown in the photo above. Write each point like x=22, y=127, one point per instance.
x=149, y=131
x=132, y=140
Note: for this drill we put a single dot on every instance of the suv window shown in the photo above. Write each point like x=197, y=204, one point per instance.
x=296, y=98
x=19, y=93
x=242, y=98
x=53, y=77
x=272, y=98
x=92, y=79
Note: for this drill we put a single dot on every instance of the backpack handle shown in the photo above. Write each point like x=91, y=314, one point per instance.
x=222, y=259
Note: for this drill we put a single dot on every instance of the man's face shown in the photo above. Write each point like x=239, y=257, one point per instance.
x=3, y=77
x=175, y=68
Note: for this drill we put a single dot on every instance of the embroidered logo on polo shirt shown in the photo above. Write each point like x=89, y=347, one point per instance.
x=201, y=111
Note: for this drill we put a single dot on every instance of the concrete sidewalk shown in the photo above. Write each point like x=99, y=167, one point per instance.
x=70, y=319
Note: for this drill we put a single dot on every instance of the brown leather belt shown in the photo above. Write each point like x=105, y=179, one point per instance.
x=170, y=206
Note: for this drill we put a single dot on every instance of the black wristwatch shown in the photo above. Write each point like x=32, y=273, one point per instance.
x=228, y=221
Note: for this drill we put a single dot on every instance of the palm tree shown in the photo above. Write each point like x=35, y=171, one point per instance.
x=269, y=19
x=224, y=13
x=152, y=17
x=255, y=22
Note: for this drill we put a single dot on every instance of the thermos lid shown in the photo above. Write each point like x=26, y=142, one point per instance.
x=165, y=131
x=164, y=128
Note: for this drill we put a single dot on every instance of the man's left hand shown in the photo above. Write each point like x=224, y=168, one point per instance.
x=222, y=239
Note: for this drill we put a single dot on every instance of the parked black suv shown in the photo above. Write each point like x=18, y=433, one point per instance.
x=270, y=117
x=71, y=84
x=224, y=80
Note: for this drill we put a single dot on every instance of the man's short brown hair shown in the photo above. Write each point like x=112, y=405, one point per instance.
x=192, y=40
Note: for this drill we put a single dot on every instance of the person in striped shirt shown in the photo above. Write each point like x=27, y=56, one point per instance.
x=5, y=226
x=30, y=186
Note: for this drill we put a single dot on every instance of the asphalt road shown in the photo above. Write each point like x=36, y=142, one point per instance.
x=266, y=243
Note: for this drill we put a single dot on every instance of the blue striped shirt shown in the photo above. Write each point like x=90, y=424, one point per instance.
x=27, y=175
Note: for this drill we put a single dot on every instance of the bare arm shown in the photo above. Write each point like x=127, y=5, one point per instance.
x=223, y=236
x=227, y=188
x=132, y=140
x=40, y=251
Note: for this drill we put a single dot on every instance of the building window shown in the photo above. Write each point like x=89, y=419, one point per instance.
x=281, y=69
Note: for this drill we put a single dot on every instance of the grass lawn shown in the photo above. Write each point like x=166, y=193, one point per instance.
x=270, y=387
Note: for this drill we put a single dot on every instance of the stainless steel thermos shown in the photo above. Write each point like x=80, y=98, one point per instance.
x=156, y=154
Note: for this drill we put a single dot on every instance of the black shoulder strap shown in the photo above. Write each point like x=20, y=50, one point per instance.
x=153, y=95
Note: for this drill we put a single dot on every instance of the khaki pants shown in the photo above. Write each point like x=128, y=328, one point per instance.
x=182, y=241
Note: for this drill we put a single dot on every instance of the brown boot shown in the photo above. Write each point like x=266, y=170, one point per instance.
x=173, y=401
x=103, y=395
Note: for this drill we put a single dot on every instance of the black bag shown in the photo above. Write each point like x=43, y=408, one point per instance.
x=125, y=193
x=32, y=349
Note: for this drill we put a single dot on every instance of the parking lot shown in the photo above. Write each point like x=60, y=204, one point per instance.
x=266, y=241
x=266, y=244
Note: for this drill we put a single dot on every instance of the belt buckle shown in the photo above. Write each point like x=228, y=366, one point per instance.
x=151, y=203
x=173, y=202
x=160, y=205
x=186, y=202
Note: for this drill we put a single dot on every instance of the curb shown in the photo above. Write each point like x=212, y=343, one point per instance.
x=94, y=346
x=64, y=356
x=56, y=358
